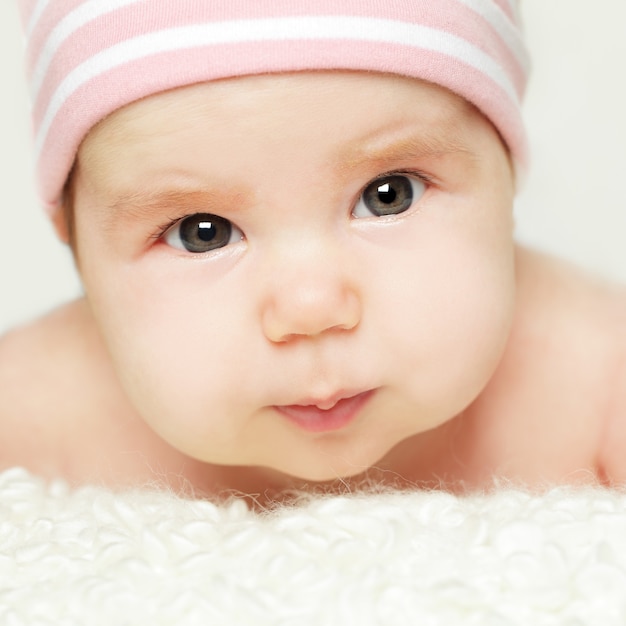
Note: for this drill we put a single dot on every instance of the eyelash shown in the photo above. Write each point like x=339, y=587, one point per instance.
x=427, y=180
x=160, y=230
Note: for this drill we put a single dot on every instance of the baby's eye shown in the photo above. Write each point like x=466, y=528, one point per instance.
x=202, y=232
x=389, y=195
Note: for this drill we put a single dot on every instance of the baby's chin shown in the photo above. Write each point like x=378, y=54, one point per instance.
x=328, y=473
x=327, y=468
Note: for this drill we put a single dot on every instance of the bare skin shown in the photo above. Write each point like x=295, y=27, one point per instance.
x=196, y=363
x=554, y=411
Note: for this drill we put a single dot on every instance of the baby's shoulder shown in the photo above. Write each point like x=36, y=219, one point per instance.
x=567, y=357
x=582, y=322
x=44, y=378
x=568, y=317
x=35, y=355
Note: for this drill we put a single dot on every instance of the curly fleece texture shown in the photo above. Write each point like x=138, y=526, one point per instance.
x=92, y=556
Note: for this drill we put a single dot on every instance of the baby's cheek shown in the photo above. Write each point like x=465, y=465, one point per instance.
x=461, y=316
x=180, y=360
x=174, y=355
x=179, y=389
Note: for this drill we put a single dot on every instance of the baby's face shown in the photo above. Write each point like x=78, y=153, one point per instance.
x=301, y=271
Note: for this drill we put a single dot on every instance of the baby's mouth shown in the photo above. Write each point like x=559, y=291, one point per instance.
x=319, y=416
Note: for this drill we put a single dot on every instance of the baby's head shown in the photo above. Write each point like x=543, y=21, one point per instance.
x=293, y=219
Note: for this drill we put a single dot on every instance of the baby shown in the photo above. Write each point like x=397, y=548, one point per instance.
x=293, y=224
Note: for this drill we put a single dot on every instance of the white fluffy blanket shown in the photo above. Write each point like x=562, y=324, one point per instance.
x=91, y=557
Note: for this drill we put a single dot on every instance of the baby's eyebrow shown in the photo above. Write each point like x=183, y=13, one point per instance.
x=403, y=146
x=143, y=203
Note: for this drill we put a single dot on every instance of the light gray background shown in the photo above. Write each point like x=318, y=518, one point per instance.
x=573, y=202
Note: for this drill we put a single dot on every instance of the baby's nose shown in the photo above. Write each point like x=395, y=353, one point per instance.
x=309, y=303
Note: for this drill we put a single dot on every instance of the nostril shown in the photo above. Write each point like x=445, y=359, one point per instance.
x=346, y=326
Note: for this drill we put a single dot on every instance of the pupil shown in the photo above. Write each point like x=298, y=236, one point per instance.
x=206, y=231
x=386, y=193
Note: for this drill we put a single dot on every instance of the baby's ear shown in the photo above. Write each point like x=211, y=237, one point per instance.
x=61, y=225
x=63, y=214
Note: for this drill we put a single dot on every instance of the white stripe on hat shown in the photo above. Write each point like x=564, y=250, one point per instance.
x=38, y=11
x=501, y=23
x=80, y=16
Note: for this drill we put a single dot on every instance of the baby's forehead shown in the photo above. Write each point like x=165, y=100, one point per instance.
x=292, y=103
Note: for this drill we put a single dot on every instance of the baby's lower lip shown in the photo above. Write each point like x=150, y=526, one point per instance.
x=315, y=420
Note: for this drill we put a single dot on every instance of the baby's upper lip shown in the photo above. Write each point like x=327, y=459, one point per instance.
x=328, y=402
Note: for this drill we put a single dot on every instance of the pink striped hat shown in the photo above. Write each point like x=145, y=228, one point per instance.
x=87, y=58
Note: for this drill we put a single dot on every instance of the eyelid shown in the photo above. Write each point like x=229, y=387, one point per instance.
x=424, y=178
x=427, y=180
x=161, y=230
